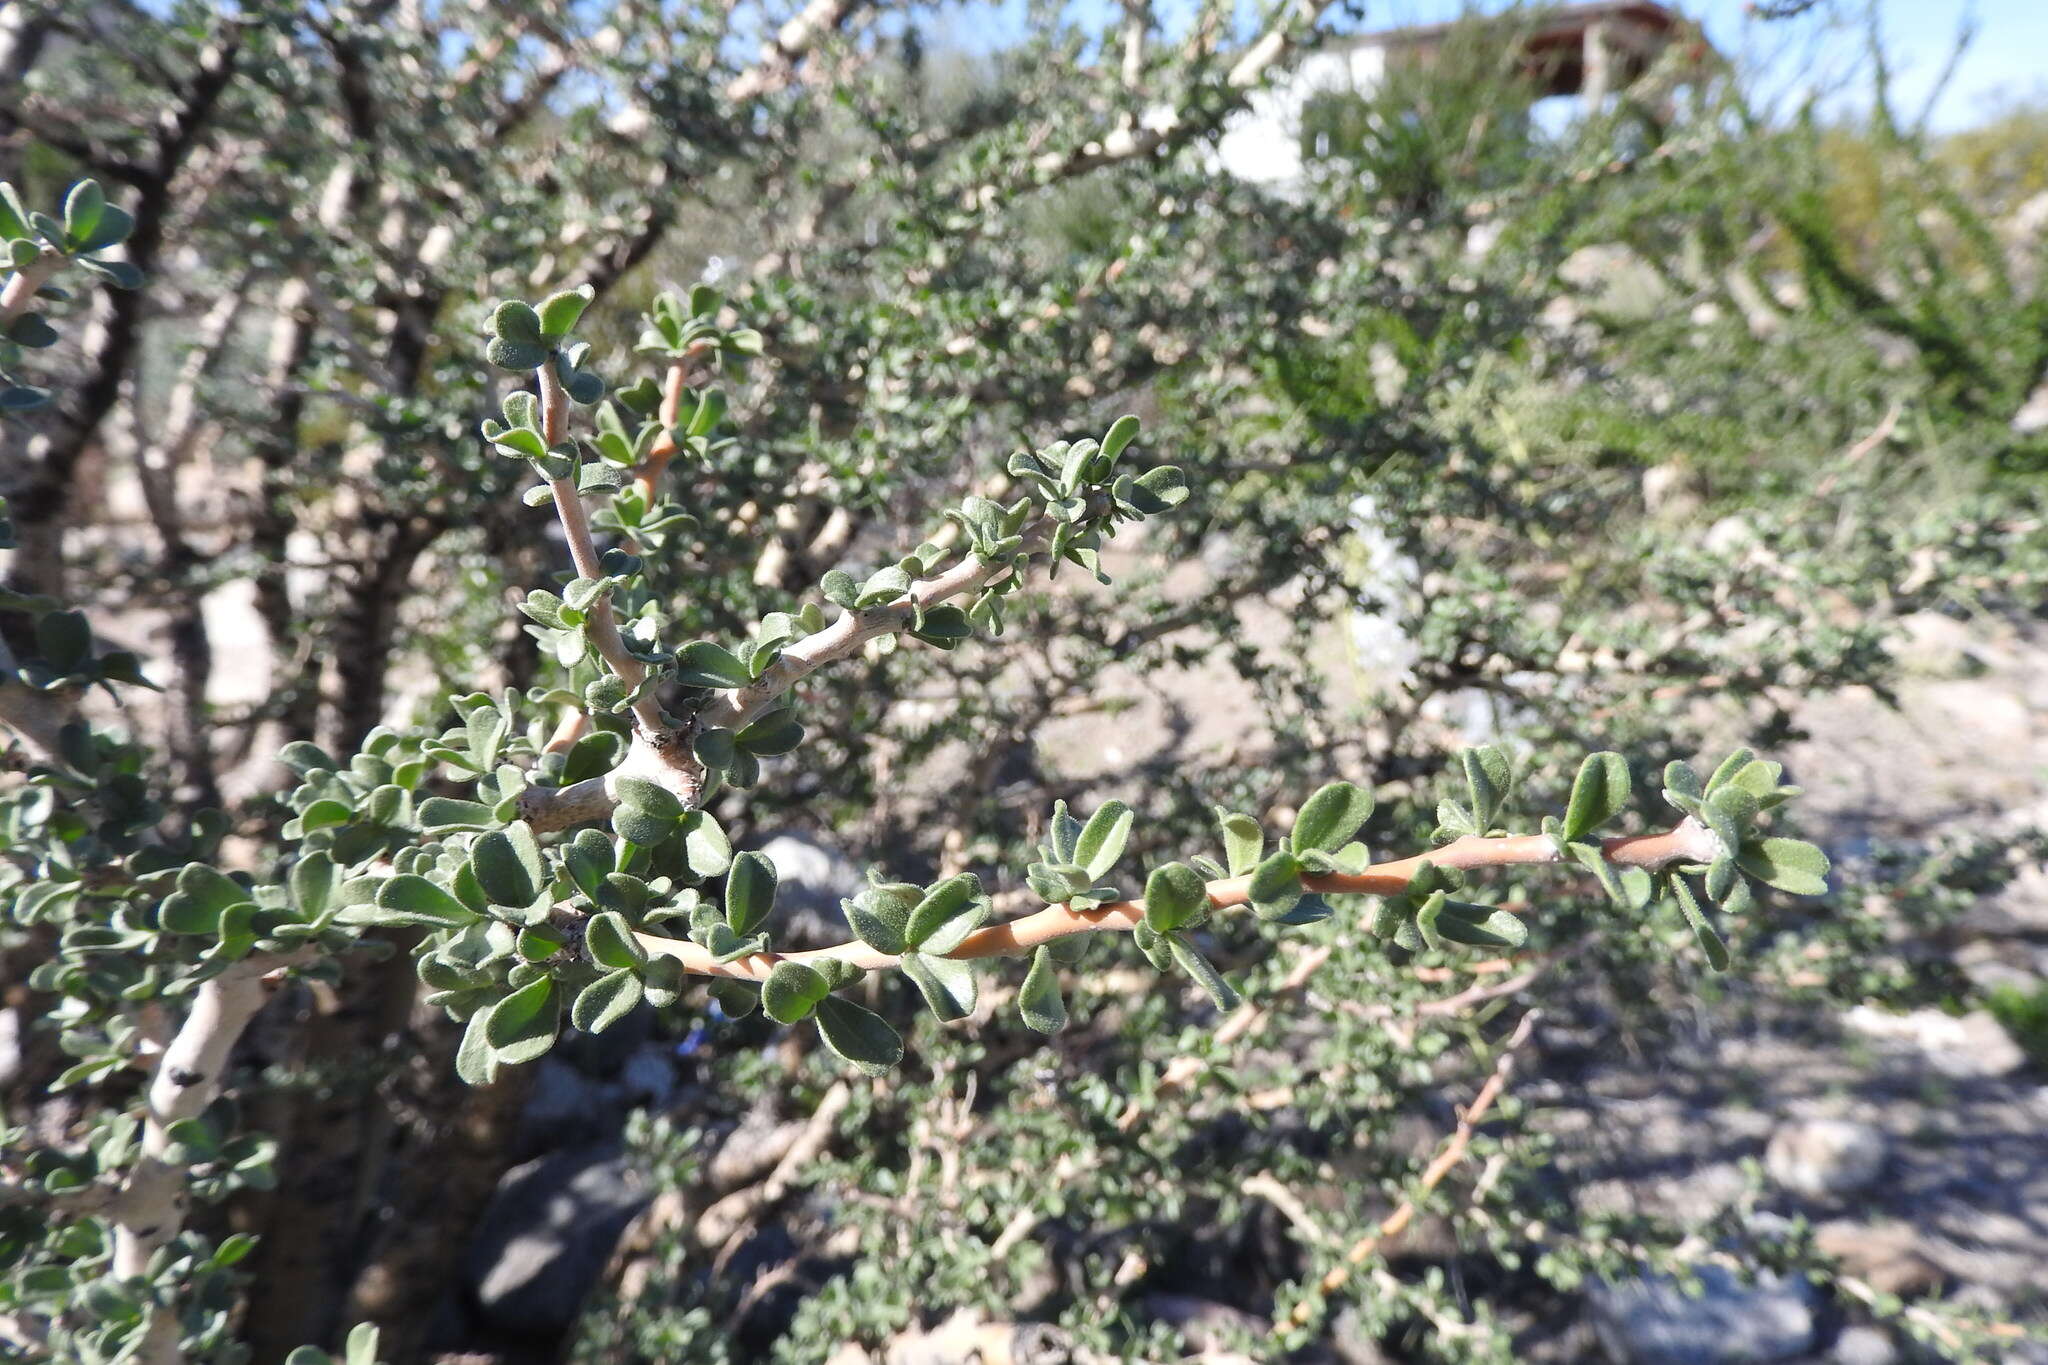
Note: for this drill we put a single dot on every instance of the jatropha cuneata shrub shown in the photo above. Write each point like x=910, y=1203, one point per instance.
x=553, y=855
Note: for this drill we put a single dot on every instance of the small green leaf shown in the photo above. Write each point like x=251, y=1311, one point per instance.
x=749, y=892
x=778, y=732
x=605, y=1001
x=114, y=227
x=1174, y=896
x=1103, y=838
x=202, y=897
x=439, y=813
x=422, y=902
x=1120, y=434
x=611, y=942
x=947, y=983
x=502, y=872
x=523, y=1025
x=791, y=992
x=704, y=664
x=948, y=913
x=475, y=1062
x=312, y=881
x=65, y=640
x=1275, y=885
x=82, y=210
x=516, y=321
x=1331, y=817
x=1480, y=926
x=1203, y=971
x=860, y=1036
x=706, y=847
x=841, y=589
x=589, y=859
x=558, y=312
x=1790, y=865
x=1709, y=941
x=1243, y=841
x=1039, y=1000
x=362, y=1344
x=1599, y=793
x=881, y=914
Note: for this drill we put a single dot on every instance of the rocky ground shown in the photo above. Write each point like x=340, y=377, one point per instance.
x=1908, y=1146
x=1910, y=1143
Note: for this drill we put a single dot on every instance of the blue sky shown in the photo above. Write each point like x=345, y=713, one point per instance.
x=2007, y=60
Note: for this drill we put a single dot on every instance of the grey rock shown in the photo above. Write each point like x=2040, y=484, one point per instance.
x=546, y=1235
x=649, y=1076
x=568, y=1108
x=1863, y=1346
x=1652, y=1321
x=605, y=1054
x=1206, y=1324
x=811, y=879
x=10, y=1045
x=1969, y=1046
x=1352, y=1343
x=1826, y=1158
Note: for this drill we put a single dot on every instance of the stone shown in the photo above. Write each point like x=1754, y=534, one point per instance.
x=1969, y=1046
x=1826, y=1158
x=1207, y=1325
x=567, y=1107
x=10, y=1045
x=1653, y=1321
x=649, y=1076
x=547, y=1234
x=1886, y=1256
x=811, y=879
x=1863, y=1346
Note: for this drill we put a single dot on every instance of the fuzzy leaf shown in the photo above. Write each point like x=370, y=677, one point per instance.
x=1204, y=972
x=1174, y=896
x=1599, y=793
x=523, y=1025
x=422, y=902
x=749, y=892
x=791, y=992
x=605, y=1001
x=704, y=664
x=1039, y=1000
x=1103, y=838
x=1330, y=817
x=948, y=913
x=947, y=983
x=1709, y=941
x=611, y=942
x=860, y=1036
x=1275, y=885
x=1791, y=865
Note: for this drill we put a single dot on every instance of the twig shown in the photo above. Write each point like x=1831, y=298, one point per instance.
x=149, y=1209
x=723, y=1221
x=604, y=626
x=20, y=290
x=1395, y=1223
x=1686, y=842
x=652, y=756
x=1184, y=1068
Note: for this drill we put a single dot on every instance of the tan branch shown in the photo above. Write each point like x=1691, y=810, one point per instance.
x=1687, y=842
x=1395, y=1223
x=791, y=43
x=604, y=626
x=149, y=1210
x=19, y=293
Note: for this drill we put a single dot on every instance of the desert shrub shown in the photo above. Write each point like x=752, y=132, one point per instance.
x=1371, y=423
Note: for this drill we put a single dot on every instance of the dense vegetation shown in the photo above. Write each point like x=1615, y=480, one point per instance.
x=1331, y=680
